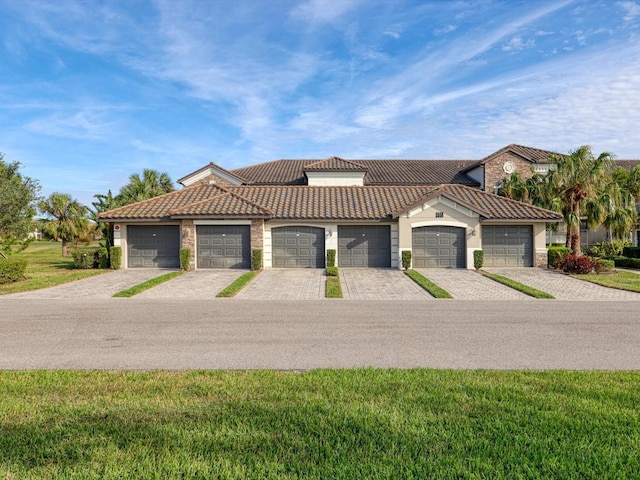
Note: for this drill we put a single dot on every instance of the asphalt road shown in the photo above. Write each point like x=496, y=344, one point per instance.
x=153, y=334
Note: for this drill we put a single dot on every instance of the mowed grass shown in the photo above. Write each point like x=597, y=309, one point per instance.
x=521, y=287
x=47, y=268
x=374, y=424
x=621, y=280
x=141, y=287
x=434, y=290
x=333, y=287
x=238, y=284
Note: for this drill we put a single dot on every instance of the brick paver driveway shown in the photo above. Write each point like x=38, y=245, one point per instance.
x=100, y=286
x=197, y=284
x=286, y=284
x=562, y=286
x=465, y=284
x=379, y=284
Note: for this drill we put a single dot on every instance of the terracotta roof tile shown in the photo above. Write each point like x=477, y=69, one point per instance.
x=335, y=164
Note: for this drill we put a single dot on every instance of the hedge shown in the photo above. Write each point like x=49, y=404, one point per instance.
x=91, y=257
x=555, y=255
x=116, y=257
x=631, y=252
x=331, y=257
x=256, y=259
x=12, y=269
x=626, y=262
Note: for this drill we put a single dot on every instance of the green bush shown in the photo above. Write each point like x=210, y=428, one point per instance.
x=12, y=269
x=332, y=271
x=185, y=259
x=116, y=257
x=601, y=265
x=406, y=259
x=631, y=252
x=555, y=256
x=85, y=258
x=626, y=262
x=331, y=258
x=103, y=258
x=609, y=249
x=478, y=259
x=256, y=259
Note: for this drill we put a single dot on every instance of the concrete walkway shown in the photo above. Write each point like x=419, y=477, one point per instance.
x=379, y=284
x=197, y=284
x=562, y=286
x=100, y=286
x=286, y=284
x=465, y=284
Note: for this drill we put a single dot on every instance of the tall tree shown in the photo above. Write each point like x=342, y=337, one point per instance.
x=67, y=218
x=579, y=178
x=18, y=195
x=104, y=203
x=151, y=184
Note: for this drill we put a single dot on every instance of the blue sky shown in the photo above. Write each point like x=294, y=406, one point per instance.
x=91, y=91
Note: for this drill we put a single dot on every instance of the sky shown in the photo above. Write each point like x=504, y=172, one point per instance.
x=94, y=91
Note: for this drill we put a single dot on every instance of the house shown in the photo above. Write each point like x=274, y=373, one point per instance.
x=369, y=211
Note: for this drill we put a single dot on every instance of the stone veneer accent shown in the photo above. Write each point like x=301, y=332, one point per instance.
x=217, y=181
x=494, y=174
x=541, y=259
x=257, y=233
x=188, y=240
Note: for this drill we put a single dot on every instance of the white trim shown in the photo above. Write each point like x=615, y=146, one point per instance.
x=209, y=171
x=438, y=222
x=222, y=222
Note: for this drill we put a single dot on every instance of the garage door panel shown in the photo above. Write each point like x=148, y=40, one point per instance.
x=438, y=247
x=507, y=246
x=223, y=246
x=364, y=246
x=153, y=246
x=297, y=247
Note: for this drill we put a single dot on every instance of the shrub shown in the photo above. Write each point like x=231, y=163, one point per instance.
x=601, y=265
x=103, y=258
x=116, y=257
x=12, y=269
x=631, y=252
x=85, y=258
x=555, y=255
x=478, y=259
x=331, y=258
x=626, y=262
x=406, y=259
x=332, y=271
x=185, y=259
x=609, y=249
x=576, y=264
x=256, y=259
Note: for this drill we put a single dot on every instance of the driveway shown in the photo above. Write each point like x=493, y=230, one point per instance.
x=286, y=284
x=562, y=286
x=379, y=284
x=196, y=284
x=100, y=286
x=468, y=285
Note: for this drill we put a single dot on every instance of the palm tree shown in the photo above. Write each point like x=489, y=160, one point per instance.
x=67, y=218
x=151, y=184
x=578, y=179
x=104, y=203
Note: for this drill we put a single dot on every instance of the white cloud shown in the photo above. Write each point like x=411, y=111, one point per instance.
x=323, y=11
x=631, y=10
x=517, y=43
x=446, y=29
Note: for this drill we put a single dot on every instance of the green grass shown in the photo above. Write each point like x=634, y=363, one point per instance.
x=433, y=289
x=141, y=287
x=348, y=424
x=47, y=268
x=621, y=280
x=238, y=284
x=333, y=288
x=521, y=287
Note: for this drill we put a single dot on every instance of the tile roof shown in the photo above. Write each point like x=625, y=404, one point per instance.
x=335, y=164
x=226, y=204
x=534, y=155
x=628, y=164
x=379, y=172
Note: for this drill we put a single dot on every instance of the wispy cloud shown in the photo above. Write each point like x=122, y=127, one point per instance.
x=631, y=10
x=321, y=11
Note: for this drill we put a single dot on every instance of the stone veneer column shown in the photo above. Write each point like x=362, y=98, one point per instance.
x=188, y=240
x=257, y=233
x=541, y=259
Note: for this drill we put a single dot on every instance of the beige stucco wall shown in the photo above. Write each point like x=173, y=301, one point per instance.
x=454, y=215
x=332, y=179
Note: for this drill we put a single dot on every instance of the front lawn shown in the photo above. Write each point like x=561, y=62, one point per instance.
x=376, y=424
x=621, y=280
x=47, y=268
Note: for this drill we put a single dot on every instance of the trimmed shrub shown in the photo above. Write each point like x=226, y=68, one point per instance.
x=631, y=252
x=406, y=259
x=103, y=258
x=609, y=249
x=85, y=258
x=555, y=255
x=626, y=262
x=185, y=259
x=256, y=259
x=332, y=271
x=601, y=265
x=478, y=259
x=576, y=264
x=12, y=269
x=331, y=258
x=116, y=257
